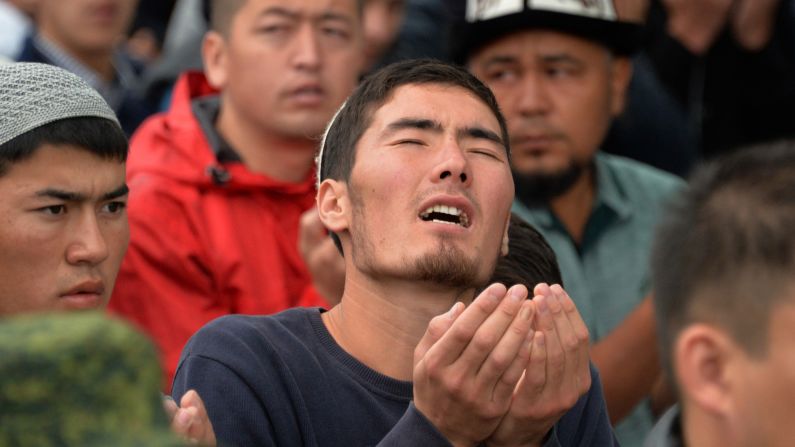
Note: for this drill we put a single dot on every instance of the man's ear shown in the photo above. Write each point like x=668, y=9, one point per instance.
x=215, y=59
x=504, y=250
x=333, y=205
x=619, y=84
x=704, y=359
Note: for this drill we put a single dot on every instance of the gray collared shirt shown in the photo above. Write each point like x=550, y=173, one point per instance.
x=113, y=91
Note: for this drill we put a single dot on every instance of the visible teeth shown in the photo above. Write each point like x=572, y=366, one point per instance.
x=451, y=210
x=463, y=219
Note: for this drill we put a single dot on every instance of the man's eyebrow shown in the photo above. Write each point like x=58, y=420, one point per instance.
x=413, y=123
x=295, y=15
x=480, y=132
x=499, y=59
x=330, y=16
x=71, y=196
x=121, y=191
x=66, y=196
x=278, y=11
x=557, y=58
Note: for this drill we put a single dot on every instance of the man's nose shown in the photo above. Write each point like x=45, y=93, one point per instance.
x=306, y=48
x=87, y=245
x=533, y=97
x=453, y=164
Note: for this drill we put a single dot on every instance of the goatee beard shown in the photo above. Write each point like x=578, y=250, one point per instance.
x=540, y=188
x=446, y=267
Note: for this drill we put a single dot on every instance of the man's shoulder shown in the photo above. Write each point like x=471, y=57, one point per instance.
x=641, y=186
x=277, y=330
x=634, y=173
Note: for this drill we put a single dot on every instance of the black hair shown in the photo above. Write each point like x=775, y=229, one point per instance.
x=99, y=136
x=724, y=252
x=530, y=259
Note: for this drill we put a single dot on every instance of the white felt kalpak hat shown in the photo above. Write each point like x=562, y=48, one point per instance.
x=478, y=22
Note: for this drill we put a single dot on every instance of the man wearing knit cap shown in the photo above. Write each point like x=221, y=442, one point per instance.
x=62, y=179
x=559, y=70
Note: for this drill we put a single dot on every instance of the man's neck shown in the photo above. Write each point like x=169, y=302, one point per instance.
x=380, y=323
x=702, y=429
x=286, y=159
x=574, y=206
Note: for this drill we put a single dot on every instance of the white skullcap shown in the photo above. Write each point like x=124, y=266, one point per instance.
x=32, y=95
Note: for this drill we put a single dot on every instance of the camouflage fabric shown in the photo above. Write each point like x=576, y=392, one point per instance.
x=78, y=379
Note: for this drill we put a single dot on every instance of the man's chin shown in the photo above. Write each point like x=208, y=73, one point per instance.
x=540, y=187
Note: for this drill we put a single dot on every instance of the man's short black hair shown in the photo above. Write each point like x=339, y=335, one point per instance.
x=724, y=253
x=99, y=136
x=530, y=259
x=338, y=151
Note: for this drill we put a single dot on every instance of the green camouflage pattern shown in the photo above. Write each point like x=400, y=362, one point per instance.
x=79, y=379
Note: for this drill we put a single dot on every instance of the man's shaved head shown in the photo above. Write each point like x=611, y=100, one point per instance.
x=221, y=13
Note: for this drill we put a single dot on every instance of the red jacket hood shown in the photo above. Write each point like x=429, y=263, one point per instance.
x=172, y=144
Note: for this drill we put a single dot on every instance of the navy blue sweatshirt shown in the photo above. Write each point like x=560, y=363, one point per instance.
x=282, y=380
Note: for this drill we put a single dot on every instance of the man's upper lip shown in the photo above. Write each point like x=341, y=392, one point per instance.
x=298, y=88
x=459, y=202
x=88, y=286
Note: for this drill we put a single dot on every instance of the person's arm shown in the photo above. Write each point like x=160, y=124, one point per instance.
x=234, y=409
x=627, y=361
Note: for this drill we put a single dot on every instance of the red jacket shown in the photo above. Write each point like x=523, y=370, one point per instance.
x=200, y=249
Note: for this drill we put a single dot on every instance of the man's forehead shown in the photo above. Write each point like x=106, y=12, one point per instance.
x=404, y=103
x=314, y=9
x=537, y=43
x=65, y=168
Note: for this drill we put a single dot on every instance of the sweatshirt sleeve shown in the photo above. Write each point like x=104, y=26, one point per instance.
x=237, y=416
x=587, y=423
x=414, y=429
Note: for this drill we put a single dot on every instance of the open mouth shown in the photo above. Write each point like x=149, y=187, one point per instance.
x=446, y=215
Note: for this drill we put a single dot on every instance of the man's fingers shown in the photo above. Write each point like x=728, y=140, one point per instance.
x=191, y=420
x=556, y=355
x=535, y=375
x=582, y=337
x=449, y=348
x=170, y=406
x=482, y=351
x=504, y=366
x=310, y=230
x=437, y=327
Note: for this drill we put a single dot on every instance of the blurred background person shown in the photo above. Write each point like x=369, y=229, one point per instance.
x=84, y=37
x=16, y=22
x=723, y=265
x=219, y=182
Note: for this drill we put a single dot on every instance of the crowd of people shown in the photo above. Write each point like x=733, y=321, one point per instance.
x=397, y=222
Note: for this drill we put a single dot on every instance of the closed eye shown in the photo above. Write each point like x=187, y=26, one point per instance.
x=413, y=142
x=487, y=153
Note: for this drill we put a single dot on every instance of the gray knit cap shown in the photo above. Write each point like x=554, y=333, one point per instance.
x=32, y=95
